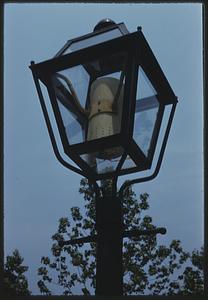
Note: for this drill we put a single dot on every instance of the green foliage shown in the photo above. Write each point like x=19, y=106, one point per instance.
x=149, y=268
x=15, y=282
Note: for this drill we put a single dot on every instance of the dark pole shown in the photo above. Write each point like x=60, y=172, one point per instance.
x=109, y=271
x=109, y=225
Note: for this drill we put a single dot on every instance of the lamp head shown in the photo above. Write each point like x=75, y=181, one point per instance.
x=108, y=95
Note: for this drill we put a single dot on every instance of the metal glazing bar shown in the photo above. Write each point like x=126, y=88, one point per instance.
x=63, y=49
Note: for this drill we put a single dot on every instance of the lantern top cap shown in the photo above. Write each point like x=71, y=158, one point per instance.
x=104, y=23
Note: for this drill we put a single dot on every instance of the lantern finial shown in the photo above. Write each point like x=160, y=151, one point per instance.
x=104, y=23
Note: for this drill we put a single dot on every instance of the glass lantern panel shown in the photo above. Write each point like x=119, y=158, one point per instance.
x=76, y=79
x=52, y=125
x=104, y=161
x=74, y=129
x=71, y=87
x=90, y=98
x=146, y=111
x=93, y=40
x=128, y=163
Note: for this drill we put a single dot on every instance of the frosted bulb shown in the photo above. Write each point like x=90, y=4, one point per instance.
x=104, y=116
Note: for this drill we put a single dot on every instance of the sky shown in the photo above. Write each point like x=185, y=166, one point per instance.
x=38, y=190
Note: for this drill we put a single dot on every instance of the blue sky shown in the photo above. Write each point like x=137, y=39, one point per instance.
x=38, y=189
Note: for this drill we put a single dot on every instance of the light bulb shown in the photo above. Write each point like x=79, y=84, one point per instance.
x=106, y=97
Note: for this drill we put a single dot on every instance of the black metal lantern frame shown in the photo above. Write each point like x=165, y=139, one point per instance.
x=130, y=56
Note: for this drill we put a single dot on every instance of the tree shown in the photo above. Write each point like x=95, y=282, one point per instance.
x=15, y=282
x=148, y=268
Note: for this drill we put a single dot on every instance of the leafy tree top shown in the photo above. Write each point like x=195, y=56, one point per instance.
x=148, y=268
x=15, y=282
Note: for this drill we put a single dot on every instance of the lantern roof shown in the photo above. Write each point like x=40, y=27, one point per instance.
x=105, y=30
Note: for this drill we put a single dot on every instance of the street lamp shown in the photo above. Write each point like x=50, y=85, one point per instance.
x=108, y=95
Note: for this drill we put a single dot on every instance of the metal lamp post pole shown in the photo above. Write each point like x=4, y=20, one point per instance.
x=109, y=273
x=109, y=217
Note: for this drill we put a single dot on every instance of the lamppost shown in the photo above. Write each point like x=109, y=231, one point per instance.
x=108, y=95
